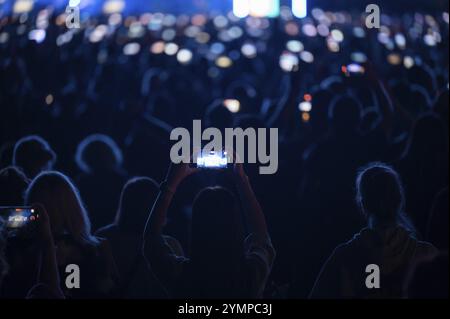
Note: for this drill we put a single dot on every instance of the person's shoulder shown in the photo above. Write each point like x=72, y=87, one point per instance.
x=349, y=248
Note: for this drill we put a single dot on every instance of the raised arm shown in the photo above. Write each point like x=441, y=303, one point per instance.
x=48, y=269
x=254, y=212
x=156, y=219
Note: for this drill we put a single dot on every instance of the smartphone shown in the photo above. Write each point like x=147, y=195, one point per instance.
x=19, y=221
x=213, y=160
x=289, y=62
x=353, y=70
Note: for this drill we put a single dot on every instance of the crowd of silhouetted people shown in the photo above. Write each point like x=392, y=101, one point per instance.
x=362, y=176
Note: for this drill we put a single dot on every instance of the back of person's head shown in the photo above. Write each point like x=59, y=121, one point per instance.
x=429, y=279
x=379, y=194
x=136, y=201
x=61, y=199
x=98, y=152
x=33, y=155
x=345, y=115
x=217, y=230
x=13, y=184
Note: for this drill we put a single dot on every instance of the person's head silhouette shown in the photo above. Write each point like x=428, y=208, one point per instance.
x=33, y=155
x=98, y=152
x=136, y=200
x=63, y=204
x=380, y=195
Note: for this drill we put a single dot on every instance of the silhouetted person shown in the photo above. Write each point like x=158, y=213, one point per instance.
x=424, y=167
x=125, y=237
x=33, y=155
x=326, y=204
x=100, y=161
x=221, y=264
x=13, y=184
x=71, y=230
x=386, y=242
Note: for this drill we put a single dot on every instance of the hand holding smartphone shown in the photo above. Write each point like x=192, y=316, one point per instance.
x=212, y=160
x=20, y=221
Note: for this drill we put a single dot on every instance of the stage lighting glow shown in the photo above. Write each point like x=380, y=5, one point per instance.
x=224, y=36
x=115, y=19
x=300, y=8
x=203, y=37
x=184, y=56
x=249, y=50
x=232, y=105
x=400, y=40
x=235, y=32
x=74, y=3
x=220, y=22
x=157, y=47
x=337, y=35
x=332, y=45
x=156, y=22
x=256, y=8
x=408, y=62
x=217, y=48
x=309, y=30
x=359, y=32
x=169, y=20
x=241, y=8
x=49, y=99
x=358, y=57
x=430, y=40
x=37, y=35
x=23, y=6
x=113, y=6
x=168, y=35
x=224, y=62
x=305, y=106
x=136, y=30
x=394, y=59
x=192, y=31
x=4, y=37
x=199, y=20
x=131, y=48
x=295, y=46
x=306, y=117
x=292, y=28
x=446, y=17
x=171, y=49
x=289, y=62
x=307, y=57
x=323, y=30
x=98, y=34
